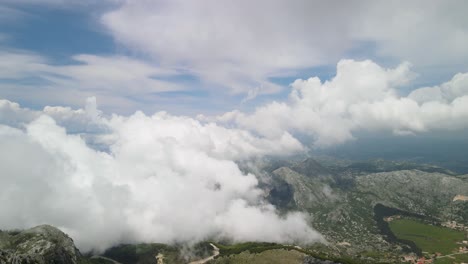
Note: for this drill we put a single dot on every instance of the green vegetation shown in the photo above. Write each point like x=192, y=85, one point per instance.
x=462, y=258
x=265, y=257
x=18, y=239
x=11, y=239
x=143, y=253
x=427, y=237
x=254, y=248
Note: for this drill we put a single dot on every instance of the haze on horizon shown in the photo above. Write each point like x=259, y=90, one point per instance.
x=139, y=112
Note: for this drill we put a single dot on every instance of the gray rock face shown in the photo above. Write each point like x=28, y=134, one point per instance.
x=308, y=191
x=429, y=194
x=39, y=245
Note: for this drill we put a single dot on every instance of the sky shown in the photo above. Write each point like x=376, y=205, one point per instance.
x=151, y=104
x=235, y=56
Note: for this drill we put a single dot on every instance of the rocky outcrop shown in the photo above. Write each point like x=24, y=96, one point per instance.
x=39, y=245
x=307, y=192
x=429, y=194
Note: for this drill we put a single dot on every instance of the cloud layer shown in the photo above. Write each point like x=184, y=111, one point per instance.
x=236, y=44
x=163, y=178
x=240, y=45
x=106, y=179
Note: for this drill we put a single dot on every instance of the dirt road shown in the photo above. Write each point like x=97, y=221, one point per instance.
x=202, y=261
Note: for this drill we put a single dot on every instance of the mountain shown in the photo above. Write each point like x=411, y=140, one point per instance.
x=352, y=204
x=342, y=198
x=46, y=244
x=39, y=245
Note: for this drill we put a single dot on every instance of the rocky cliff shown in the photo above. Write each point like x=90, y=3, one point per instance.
x=39, y=245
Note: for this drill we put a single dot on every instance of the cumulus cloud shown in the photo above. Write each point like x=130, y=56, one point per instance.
x=106, y=179
x=363, y=96
x=163, y=178
x=78, y=121
x=446, y=93
x=13, y=115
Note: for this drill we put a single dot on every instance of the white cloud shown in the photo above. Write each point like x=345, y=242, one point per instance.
x=234, y=44
x=120, y=75
x=17, y=64
x=111, y=179
x=362, y=96
x=13, y=115
x=447, y=92
x=241, y=44
x=115, y=80
x=164, y=178
x=426, y=33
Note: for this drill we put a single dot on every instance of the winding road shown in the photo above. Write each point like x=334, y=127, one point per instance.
x=202, y=261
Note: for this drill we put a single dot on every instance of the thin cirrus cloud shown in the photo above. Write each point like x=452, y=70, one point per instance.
x=114, y=79
x=90, y=71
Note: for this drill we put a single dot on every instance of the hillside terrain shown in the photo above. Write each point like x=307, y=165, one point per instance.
x=344, y=198
x=42, y=244
x=369, y=212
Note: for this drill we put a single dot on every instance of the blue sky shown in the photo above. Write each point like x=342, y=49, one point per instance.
x=212, y=80
x=57, y=33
